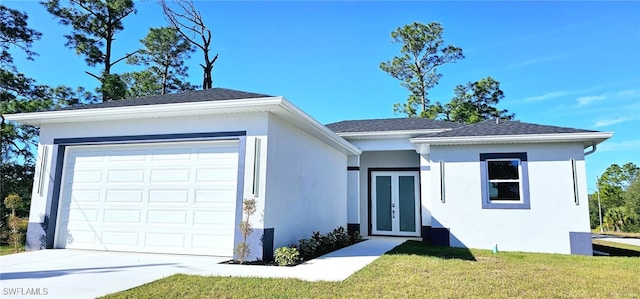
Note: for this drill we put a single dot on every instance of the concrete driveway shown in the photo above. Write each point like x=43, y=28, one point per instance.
x=66, y=273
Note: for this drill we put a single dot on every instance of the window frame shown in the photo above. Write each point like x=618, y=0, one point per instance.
x=523, y=186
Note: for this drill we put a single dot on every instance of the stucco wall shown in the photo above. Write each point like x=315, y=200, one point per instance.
x=255, y=125
x=380, y=159
x=545, y=227
x=306, y=187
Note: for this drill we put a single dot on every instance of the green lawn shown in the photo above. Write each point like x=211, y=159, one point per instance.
x=7, y=249
x=414, y=270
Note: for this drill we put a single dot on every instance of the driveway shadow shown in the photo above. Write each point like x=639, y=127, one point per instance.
x=62, y=272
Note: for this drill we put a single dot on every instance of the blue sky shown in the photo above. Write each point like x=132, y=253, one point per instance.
x=573, y=64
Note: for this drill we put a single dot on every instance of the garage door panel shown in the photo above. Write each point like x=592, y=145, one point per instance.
x=175, y=175
x=129, y=176
x=167, y=217
x=123, y=196
x=165, y=240
x=168, y=196
x=171, y=154
x=116, y=156
x=82, y=237
x=120, y=238
x=91, y=156
x=83, y=195
x=82, y=215
x=223, y=174
x=212, y=217
x=85, y=176
x=147, y=198
x=214, y=196
x=122, y=216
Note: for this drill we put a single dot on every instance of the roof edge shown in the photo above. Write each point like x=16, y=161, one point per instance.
x=154, y=110
x=587, y=138
x=278, y=105
x=317, y=129
x=389, y=134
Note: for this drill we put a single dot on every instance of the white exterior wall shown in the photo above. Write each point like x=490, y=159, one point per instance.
x=255, y=125
x=390, y=144
x=544, y=227
x=306, y=187
x=380, y=159
x=425, y=189
x=353, y=190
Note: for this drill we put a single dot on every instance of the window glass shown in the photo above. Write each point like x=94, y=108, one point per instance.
x=503, y=169
x=504, y=180
x=504, y=191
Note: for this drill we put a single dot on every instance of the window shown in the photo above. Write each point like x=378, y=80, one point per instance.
x=504, y=181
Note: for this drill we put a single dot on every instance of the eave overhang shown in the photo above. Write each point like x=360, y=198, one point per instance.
x=395, y=134
x=276, y=105
x=423, y=144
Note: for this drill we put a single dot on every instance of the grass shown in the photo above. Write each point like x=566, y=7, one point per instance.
x=413, y=270
x=8, y=249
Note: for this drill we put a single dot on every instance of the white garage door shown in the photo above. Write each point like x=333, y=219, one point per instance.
x=156, y=197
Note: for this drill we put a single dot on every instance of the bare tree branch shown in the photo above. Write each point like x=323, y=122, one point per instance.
x=190, y=21
x=124, y=57
x=92, y=75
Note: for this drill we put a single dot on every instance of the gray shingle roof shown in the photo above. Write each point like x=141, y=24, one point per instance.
x=390, y=124
x=213, y=94
x=491, y=128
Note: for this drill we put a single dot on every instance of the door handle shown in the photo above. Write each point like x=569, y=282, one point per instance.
x=393, y=213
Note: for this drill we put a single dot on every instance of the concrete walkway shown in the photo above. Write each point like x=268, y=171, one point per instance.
x=335, y=266
x=66, y=273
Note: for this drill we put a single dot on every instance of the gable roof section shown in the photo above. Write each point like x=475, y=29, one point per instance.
x=504, y=127
x=390, y=128
x=214, y=101
x=504, y=132
x=213, y=94
x=391, y=124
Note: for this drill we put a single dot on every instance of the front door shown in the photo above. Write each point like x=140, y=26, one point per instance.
x=395, y=203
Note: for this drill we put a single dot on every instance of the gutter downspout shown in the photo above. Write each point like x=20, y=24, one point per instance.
x=594, y=147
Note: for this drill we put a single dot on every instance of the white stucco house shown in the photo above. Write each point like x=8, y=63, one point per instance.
x=169, y=173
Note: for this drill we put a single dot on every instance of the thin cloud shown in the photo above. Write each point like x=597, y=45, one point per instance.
x=628, y=93
x=547, y=96
x=612, y=121
x=586, y=100
x=535, y=61
x=629, y=145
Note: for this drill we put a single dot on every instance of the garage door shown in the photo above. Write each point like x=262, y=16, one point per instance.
x=156, y=197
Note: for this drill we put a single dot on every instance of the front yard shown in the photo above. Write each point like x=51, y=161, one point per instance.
x=8, y=249
x=414, y=270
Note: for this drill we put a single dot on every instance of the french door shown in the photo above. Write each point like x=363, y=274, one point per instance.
x=395, y=203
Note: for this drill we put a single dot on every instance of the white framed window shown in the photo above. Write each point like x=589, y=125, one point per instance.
x=504, y=179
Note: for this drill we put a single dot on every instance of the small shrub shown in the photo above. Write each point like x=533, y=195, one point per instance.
x=16, y=226
x=356, y=237
x=287, y=256
x=242, y=250
x=307, y=248
x=342, y=237
x=320, y=244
